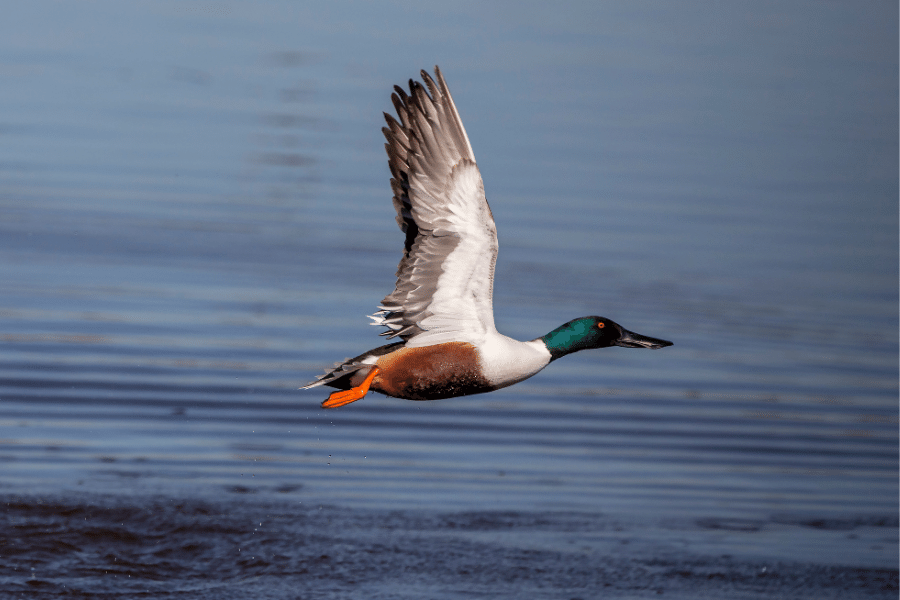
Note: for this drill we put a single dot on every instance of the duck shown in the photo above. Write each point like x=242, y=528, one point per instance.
x=441, y=308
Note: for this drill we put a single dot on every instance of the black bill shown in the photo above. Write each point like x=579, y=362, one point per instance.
x=630, y=339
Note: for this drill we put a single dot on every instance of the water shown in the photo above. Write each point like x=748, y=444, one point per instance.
x=196, y=218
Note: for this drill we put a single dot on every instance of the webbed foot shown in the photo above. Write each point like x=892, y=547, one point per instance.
x=343, y=397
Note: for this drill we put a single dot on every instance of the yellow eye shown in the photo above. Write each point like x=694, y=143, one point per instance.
x=601, y=325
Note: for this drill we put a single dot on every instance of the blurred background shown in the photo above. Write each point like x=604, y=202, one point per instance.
x=195, y=219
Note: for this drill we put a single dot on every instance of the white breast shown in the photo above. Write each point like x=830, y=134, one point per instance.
x=505, y=361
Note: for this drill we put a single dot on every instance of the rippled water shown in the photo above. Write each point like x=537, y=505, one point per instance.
x=196, y=218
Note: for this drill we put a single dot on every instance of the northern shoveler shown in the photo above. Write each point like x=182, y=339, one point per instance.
x=442, y=306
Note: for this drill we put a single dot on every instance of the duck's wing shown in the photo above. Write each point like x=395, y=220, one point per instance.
x=445, y=278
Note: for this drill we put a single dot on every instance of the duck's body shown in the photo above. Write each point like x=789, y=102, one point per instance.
x=443, y=370
x=442, y=305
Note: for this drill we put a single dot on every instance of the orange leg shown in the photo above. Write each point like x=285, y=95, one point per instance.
x=353, y=394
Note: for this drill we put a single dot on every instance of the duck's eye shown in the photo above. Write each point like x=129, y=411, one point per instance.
x=601, y=325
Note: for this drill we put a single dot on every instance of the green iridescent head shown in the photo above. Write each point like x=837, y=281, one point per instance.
x=595, y=332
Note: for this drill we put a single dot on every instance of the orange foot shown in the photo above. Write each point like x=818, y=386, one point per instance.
x=353, y=394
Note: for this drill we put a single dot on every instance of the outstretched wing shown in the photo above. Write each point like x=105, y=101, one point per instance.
x=445, y=279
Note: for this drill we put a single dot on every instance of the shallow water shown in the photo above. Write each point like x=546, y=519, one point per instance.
x=113, y=547
x=196, y=218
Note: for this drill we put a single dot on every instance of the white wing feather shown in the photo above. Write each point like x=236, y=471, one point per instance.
x=445, y=279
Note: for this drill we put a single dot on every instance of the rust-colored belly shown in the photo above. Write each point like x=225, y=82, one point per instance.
x=431, y=373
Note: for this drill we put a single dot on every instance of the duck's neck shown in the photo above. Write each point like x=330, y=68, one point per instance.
x=567, y=338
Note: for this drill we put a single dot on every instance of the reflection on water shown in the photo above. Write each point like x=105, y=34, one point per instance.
x=197, y=224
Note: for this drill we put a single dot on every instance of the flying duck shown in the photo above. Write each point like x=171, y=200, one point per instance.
x=442, y=305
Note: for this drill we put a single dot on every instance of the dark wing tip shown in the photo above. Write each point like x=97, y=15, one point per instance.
x=432, y=86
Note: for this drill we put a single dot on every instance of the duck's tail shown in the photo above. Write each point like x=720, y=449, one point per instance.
x=338, y=375
x=340, y=369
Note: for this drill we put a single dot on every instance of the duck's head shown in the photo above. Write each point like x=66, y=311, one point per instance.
x=595, y=332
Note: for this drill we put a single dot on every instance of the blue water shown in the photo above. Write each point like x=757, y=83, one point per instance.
x=195, y=219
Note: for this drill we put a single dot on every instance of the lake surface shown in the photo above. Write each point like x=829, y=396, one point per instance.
x=195, y=219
